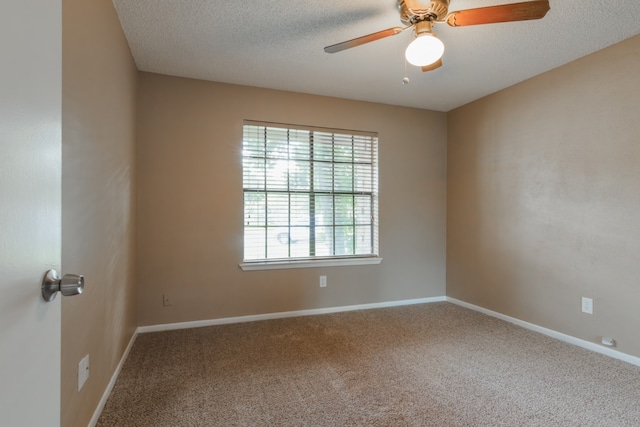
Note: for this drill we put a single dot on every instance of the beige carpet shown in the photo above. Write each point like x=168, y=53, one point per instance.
x=424, y=365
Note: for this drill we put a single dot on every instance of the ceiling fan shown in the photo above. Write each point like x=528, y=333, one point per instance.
x=426, y=49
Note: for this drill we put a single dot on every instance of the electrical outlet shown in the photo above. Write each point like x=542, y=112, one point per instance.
x=83, y=371
x=323, y=281
x=165, y=300
x=587, y=305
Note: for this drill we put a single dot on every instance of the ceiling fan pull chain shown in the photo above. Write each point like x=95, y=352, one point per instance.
x=405, y=80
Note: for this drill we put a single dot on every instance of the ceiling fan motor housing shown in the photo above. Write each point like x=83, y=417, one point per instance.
x=412, y=11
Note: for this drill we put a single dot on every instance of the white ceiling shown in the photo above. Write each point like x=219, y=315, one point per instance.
x=279, y=44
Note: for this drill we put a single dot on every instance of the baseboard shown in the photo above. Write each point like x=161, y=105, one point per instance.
x=551, y=333
x=114, y=377
x=282, y=315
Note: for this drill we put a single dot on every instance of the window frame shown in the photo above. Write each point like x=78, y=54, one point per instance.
x=372, y=195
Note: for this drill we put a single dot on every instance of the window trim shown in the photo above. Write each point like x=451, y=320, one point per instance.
x=308, y=263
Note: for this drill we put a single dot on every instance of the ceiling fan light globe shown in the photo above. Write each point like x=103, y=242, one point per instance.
x=424, y=50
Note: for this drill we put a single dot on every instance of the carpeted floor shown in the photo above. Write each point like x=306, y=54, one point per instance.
x=423, y=365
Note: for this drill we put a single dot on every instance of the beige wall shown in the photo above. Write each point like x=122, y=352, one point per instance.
x=190, y=203
x=98, y=128
x=544, y=198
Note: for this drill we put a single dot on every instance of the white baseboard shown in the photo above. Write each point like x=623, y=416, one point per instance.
x=114, y=377
x=282, y=315
x=551, y=333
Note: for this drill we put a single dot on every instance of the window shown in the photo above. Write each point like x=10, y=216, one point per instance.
x=309, y=193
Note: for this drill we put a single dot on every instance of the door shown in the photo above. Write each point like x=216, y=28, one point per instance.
x=30, y=211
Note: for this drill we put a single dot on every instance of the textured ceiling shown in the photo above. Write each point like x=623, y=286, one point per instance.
x=279, y=44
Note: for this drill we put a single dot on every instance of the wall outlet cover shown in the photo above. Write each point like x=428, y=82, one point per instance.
x=83, y=371
x=323, y=281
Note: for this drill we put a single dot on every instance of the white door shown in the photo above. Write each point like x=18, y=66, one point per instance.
x=30, y=211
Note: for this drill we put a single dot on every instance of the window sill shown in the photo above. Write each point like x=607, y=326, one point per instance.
x=338, y=262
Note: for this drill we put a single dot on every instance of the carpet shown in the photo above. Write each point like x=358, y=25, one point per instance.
x=433, y=364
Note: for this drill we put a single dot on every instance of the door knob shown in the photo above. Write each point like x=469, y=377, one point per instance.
x=70, y=284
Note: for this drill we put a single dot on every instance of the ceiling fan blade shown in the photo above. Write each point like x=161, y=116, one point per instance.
x=364, y=39
x=433, y=66
x=503, y=13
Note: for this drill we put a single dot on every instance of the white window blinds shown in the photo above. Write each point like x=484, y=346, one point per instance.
x=309, y=193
